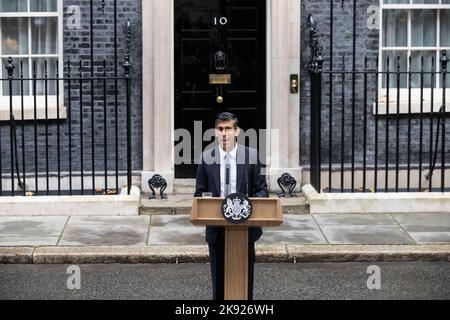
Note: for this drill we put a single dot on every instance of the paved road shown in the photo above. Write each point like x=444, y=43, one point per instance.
x=191, y=281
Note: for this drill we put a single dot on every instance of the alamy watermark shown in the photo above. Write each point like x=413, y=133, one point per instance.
x=74, y=280
x=374, y=280
x=373, y=22
x=190, y=145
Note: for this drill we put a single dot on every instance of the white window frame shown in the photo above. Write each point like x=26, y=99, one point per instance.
x=415, y=92
x=28, y=100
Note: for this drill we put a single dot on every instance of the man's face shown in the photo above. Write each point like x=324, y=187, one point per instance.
x=227, y=133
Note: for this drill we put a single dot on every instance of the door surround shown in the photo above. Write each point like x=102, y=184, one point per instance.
x=283, y=108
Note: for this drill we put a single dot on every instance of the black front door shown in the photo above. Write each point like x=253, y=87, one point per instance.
x=220, y=65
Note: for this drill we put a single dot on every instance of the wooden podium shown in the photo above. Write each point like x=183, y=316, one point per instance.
x=267, y=212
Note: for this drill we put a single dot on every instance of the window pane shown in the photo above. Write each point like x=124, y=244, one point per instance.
x=43, y=5
x=445, y=28
x=16, y=84
x=393, y=68
x=13, y=5
x=423, y=28
x=416, y=64
x=395, y=28
x=14, y=35
x=44, y=35
x=51, y=73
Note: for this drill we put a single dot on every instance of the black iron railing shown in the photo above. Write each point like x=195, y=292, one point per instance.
x=86, y=150
x=378, y=129
x=370, y=147
x=384, y=152
x=84, y=128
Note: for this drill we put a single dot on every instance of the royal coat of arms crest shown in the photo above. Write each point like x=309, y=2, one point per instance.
x=237, y=208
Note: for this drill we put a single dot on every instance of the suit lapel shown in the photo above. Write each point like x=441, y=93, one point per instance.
x=216, y=169
x=212, y=160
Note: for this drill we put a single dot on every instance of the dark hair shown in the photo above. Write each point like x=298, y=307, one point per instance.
x=227, y=116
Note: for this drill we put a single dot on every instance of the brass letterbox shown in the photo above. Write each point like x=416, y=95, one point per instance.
x=220, y=79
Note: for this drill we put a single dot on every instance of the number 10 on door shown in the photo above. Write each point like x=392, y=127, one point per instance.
x=220, y=20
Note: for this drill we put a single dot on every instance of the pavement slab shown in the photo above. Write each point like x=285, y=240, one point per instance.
x=354, y=219
x=286, y=237
x=36, y=227
x=170, y=221
x=176, y=236
x=426, y=228
x=424, y=222
x=430, y=237
x=297, y=223
x=112, y=231
x=372, y=235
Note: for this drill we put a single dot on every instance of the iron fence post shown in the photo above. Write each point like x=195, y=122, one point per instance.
x=444, y=65
x=10, y=70
x=315, y=71
x=127, y=69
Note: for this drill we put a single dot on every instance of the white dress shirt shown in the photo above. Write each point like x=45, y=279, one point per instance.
x=233, y=170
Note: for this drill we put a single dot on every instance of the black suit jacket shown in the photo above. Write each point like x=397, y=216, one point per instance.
x=250, y=181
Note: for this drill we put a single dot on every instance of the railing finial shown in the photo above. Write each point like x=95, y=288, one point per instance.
x=444, y=61
x=10, y=67
x=127, y=64
x=316, y=59
x=102, y=7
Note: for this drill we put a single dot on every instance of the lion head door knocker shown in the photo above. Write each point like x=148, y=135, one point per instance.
x=237, y=208
x=287, y=183
x=219, y=60
x=157, y=182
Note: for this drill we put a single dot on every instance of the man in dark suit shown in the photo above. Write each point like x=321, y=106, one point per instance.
x=226, y=169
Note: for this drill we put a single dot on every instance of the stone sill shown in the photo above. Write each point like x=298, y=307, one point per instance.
x=29, y=109
x=416, y=106
x=415, y=202
x=40, y=114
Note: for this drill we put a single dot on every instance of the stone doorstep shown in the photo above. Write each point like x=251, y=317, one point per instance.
x=182, y=204
x=199, y=254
